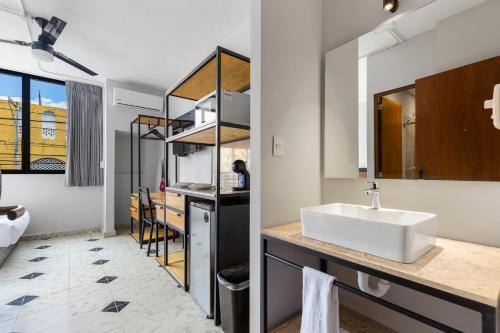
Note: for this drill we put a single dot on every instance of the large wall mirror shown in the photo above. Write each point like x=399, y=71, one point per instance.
x=407, y=100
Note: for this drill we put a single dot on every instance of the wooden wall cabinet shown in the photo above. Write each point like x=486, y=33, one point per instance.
x=455, y=137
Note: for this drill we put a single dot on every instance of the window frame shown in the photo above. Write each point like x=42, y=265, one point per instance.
x=26, y=121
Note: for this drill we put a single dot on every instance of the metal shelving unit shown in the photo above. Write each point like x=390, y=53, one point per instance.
x=148, y=128
x=221, y=70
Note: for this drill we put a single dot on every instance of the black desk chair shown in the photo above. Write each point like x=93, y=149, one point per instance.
x=147, y=217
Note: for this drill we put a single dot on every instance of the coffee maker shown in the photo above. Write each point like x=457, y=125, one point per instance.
x=240, y=168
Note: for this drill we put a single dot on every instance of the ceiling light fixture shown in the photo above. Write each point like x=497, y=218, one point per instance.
x=391, y=5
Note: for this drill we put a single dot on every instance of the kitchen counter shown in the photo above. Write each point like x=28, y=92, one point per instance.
x=467, y=270
x=207, y=194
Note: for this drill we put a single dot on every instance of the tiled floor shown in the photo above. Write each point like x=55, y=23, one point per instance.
x=81, y=285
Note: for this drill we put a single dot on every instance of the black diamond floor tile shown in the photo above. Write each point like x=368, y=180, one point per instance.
x=92, y=240
x=106, y=279
x=31, y=276
x=42, y=247
x=96, y=249
x=100, y=262
x=115, y=306
x=22, y=300
x=37, y=259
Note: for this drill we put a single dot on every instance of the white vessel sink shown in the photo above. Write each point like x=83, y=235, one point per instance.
x=398, y=235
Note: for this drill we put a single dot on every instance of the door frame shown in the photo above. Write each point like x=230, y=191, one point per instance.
x=376, y=124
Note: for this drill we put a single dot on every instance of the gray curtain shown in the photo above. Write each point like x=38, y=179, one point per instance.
x=84, y=149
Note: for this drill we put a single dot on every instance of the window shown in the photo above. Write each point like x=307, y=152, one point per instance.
x=48, y=125
x=10, y=122
x=33, y=116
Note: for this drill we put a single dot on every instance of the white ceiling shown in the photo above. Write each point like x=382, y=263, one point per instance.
x=151, y=42
x=412, y=24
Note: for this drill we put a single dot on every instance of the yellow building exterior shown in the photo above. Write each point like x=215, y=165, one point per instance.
x=48, y=136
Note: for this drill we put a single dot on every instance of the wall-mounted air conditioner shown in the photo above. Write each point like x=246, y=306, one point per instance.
x=129, y=98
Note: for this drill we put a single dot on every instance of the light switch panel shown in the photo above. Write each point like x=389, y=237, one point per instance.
x=278, y=146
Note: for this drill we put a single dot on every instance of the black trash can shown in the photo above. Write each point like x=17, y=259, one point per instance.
x=234, y=299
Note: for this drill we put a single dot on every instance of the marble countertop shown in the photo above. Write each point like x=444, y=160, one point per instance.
x=468, y=270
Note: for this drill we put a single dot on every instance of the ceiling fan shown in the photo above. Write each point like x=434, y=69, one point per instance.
x=43, y=49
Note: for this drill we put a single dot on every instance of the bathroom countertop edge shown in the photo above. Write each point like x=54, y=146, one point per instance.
x=468, y=270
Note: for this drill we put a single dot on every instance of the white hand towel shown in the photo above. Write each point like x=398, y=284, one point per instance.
x=320, y=303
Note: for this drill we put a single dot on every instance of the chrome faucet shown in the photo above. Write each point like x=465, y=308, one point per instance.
x=374, y=192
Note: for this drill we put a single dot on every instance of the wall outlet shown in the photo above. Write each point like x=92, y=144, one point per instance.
x=278, y=146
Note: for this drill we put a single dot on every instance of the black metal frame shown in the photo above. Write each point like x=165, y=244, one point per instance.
x=488, y=313
x=26, y=115
x=144, y=211
x=218, y=124
x=140, y=137
x=185, y=240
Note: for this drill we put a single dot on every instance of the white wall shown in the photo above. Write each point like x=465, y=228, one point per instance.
x=340, y=152
x=53, y=207
x=285, y=101
x=151, y=152
x=473, y=28
x=118, y=118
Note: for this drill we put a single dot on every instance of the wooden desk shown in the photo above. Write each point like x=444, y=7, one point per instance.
x=157, y=198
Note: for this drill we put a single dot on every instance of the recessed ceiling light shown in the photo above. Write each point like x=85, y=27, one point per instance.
x=391, y=5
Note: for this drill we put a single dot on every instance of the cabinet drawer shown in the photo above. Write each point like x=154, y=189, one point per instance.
x=134, y=201
x=176, y=219
x=174, y=200
x=160, y=213
x=134, y=213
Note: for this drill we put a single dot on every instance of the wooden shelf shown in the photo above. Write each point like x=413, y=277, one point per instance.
x=160, y=121
x=149, y=120
x=175, y=266
x=349, y=320
x=235, y=76
x=205, y=135
x=135, y=235
x=175, y=220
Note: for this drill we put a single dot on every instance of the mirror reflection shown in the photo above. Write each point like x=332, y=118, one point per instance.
x=407, y=100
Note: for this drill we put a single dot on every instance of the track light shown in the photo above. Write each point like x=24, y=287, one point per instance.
x=391, y=5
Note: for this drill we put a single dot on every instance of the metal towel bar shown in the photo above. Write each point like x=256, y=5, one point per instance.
x=392, y=306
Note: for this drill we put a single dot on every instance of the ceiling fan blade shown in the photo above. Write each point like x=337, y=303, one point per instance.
x=15, y=42
x=52, y=30
x=73, y=63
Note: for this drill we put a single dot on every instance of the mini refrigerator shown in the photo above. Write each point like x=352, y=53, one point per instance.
x=201, y=263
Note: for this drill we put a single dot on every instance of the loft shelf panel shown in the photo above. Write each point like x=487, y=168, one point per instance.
x=235, y=76
x=150, y=120
x=160, y=121
x=205, y=135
